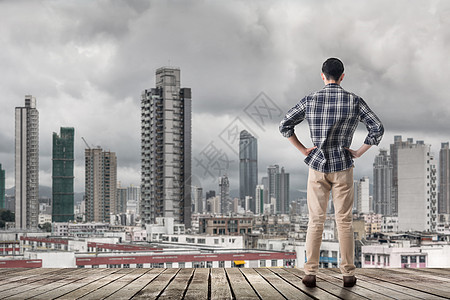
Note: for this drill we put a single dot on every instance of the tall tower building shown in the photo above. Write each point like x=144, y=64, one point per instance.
x=100, y=184
x=416, y=188
x=282, y=192
x=259, y=200
x=398, y=144
x=122, y=197
x=197, y=199
x=382, y=181
x=248, y=166
x=166, y=149
x=271, y=173
x=134, y=197
x=62, y=175
x=225, y=200
x=444, y=179
x=363, y=195
x=2, y=188
x=27, y=164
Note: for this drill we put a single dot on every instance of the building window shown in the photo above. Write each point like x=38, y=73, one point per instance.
x=139, y=266
x=262, y=263
x=181, y=265
x=221, y=264
x=215, y=231
x=174, y=239
x=201, y=241
x=422, y=259
x=216, y=241
x=169, y=265
x=404, y=259
x=413, y=259
x=209, y=264
x=274, y=262
x=95, y=266
x=367, y=258
x=126, y=266
x=190, y=240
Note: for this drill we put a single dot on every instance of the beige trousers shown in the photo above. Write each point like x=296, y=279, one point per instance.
x=319, y=186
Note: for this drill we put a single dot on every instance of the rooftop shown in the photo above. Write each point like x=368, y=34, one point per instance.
x=233, y=283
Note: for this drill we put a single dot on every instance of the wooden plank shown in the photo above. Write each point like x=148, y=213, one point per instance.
x=27, y=283
x=336, y=290
x=262, y=287
x=220, y=289
x=112, y=274
x=437, y=272
x=114, y=285
x=178, y=286
x=47, y=285
x=80, y=279
x=157, y=286
x=377, y=286
x=28, y=273
x=135, y=286
x=357, y=289
x=239, y=286
x=286, y=289
x=426, y=277
x=296, y=281
x=199, y=286
x=410, y=281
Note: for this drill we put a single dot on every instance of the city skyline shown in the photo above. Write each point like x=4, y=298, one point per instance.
x=89, y=76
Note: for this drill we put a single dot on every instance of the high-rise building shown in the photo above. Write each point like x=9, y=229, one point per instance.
x=416, y=188
x=271, y=184
x=382, y=181
x=27, y=164
x=356, y=200
x=444, y=179
x=2, y=188
x=282, y=192
x=398, y=144
x=197, y=199
x=62, y=175
x=134, y=197
x=100, y=184
x=248, y=166
x=363, y=195
x=259, y=200
x=166, y=149
x=122, y=197
x=225, y=200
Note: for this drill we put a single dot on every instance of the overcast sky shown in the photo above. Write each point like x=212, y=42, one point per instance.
x=87, y=62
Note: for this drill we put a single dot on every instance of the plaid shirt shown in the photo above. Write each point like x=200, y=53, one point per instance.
x=333, y=115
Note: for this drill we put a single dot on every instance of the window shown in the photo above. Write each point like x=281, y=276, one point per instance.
x=422, y=259
x=367, y=258
x=262, y=263
x=139, y=266
x=221, y=264
x=413, y=259
x=174, y=239
x=274, y=262
x=169, y=265
x=209, y=264
x=126, y=266
x=201, y=241
x=95, y=266
x=404, y=259
x=216, y=241
x=181, y=265
x=190, y=240
x=215, y=231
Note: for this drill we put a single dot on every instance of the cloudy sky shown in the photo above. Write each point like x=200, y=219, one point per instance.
x=87, y=62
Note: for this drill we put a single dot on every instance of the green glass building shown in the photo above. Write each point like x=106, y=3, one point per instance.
x=2, y=188
x=62, y=175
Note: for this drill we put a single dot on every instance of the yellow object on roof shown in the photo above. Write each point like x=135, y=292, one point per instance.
x=239, y=262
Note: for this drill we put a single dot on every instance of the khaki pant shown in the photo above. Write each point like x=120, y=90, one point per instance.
x=319, y=186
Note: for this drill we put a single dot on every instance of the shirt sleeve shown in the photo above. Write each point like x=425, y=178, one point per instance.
x=372, y=122
x=293, y=117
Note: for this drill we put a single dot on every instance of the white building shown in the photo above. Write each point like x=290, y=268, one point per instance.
x=416, y=188
x=363, y=195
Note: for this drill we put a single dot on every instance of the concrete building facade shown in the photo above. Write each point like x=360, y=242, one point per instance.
x=382, y=181
x=248, y=166
x=166, y=149
x=444, y=179
x=27, y=164
x=2, y=188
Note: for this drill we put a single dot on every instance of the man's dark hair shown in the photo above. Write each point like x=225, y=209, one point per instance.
x=333, y=68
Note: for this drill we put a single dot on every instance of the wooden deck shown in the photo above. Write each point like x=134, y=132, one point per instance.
x=234, y=283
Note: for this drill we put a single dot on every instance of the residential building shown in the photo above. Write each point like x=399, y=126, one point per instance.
x=100, y=184
x=248, y=166
x=261, y=195
x=220, y=225
x=225, y=200
x=444, y=179
x=416, y=188
x=197, y=199
x=134, y=198
x=282, y=192
x=382, y=181
x=122, y=197
x=2, y=188
x=363, y=196
x=27, y=165
x=62, y=175
x=166, y=149
x=271, y=177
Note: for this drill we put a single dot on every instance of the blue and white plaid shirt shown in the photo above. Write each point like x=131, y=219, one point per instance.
x=333, y=115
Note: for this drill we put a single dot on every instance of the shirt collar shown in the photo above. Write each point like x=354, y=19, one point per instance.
x=332, y=85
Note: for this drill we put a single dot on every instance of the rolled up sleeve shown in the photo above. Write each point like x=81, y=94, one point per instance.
x=373, y=124
x=293, y=117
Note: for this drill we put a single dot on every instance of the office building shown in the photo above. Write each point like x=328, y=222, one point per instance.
x=259, y=200
x=382, y=181
x=122, y=197
x=444, y=179
x=166, y=149
x=282, y=192
x=197, y=199
x=271, y=180
x=134, y=198
x=248, y=166
x=363, y=196
x=2, y=188
x=225, y=200
x=62, y=175
x=416, y=188
x=100, y=184
x=27, y=165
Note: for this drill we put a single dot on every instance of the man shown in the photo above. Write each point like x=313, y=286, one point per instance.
x=333, y=115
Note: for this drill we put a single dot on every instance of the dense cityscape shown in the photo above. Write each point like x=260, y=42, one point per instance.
x=401, y=219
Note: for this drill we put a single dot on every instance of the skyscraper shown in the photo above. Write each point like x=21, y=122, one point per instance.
x=398, y=144
x=122, y=197
x=225, y=200
x=259, y=200
x=271, y=173
x=134, y=197
x=2, y=188
x=62, y=175
x=416, y=188
x=27, y=164
x=166, y=149
x=248, y=166
x=382, y=181
x=363, y=195
x=100, y=184
x=444, y=179
x=282, y=192
x=197, y=199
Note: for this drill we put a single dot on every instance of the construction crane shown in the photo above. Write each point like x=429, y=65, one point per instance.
x=87, y=145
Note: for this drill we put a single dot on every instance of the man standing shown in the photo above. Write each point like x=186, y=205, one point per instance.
x=333, y=115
